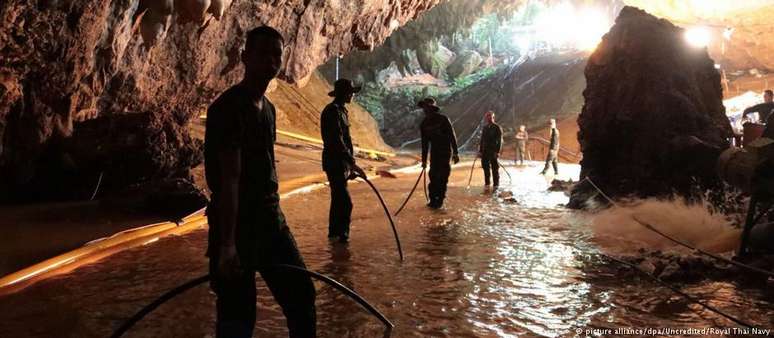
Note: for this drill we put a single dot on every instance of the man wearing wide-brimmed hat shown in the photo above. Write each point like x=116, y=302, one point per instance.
x=439, y=139
x=338, y=157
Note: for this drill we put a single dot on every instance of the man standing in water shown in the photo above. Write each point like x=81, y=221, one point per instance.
x=489, y=149
x=438, y=137
x=338, y=157
x=553, y=150
x=247, y=230
x=521, y=144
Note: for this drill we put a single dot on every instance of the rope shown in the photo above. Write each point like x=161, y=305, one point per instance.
x=720, y=258
x=686, y=245
x=386, y=212
x=203, y=279
x=471, y=171
x=679, y=292
x=600, y=191
x=410, y=193
x=96, y=189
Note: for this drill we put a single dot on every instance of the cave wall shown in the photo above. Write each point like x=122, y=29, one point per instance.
x=440, y=22
x=749, y=45
x=647, y=94
x=62, y=62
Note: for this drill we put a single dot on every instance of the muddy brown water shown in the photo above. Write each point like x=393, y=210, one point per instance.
x=483, y=266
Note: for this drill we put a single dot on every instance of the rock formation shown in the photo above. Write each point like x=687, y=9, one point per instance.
x=66, y=61
x=442, y=21
x=435, y=58
x=464, y=64
x=647, y=92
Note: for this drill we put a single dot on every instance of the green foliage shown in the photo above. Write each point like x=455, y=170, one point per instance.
x=465, y=82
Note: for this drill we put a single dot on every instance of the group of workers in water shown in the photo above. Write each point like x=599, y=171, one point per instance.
x=247, y=229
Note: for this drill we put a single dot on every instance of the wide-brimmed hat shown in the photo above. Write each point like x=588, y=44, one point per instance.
x=429, y=101
x=344, y=86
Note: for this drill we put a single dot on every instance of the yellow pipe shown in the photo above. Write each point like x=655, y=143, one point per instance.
x=89, y=249
x=98, y=249
x=127, y=239
x=318, y=141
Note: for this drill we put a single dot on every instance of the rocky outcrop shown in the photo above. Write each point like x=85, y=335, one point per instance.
x=435, y=58
x=464, y=64
x=439, y=23
x=647, y=92
x=105, y=155
x=65, y=61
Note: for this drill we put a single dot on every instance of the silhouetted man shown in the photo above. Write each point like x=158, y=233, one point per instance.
x=521, y=144
x=763, y=109
x=438, y=137
x=248, y=231
x=338, y=157
x=553, y=150
x=489, y=149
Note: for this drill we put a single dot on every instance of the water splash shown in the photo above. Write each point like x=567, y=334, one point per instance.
x=616, y=231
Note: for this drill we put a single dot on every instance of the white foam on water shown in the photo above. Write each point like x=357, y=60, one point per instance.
x=616, y=231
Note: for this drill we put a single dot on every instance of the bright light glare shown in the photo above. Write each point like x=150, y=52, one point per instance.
x=563, y=25
x=592, y=25
x=698, y=36
x=524, y=44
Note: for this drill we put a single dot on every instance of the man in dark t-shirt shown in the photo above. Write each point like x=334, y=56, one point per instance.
x=247, y=230
x=489, y=149
x=763, y=109
x=439, y=139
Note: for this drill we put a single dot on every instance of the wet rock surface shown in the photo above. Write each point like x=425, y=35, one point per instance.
x=65, y=61
x=107, y=154
x=647, y=92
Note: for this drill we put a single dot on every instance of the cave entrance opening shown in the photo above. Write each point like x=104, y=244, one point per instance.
x=525, y=63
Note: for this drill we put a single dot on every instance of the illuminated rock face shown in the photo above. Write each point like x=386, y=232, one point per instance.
x=68, y=61
x=647, y=90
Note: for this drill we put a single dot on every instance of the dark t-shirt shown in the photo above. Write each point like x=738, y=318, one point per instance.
x=338, y=152
x=438, y=136
x=234, y=121
x=763, y=110
x=554, y=139
x=491, y=140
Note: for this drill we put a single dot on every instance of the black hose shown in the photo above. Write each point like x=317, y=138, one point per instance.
x=128, y=324
x=471, y=171
x=506, y=171
x=386, y=212
x=410, y=193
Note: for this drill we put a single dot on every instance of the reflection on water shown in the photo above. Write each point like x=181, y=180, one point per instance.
x=487, y=265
